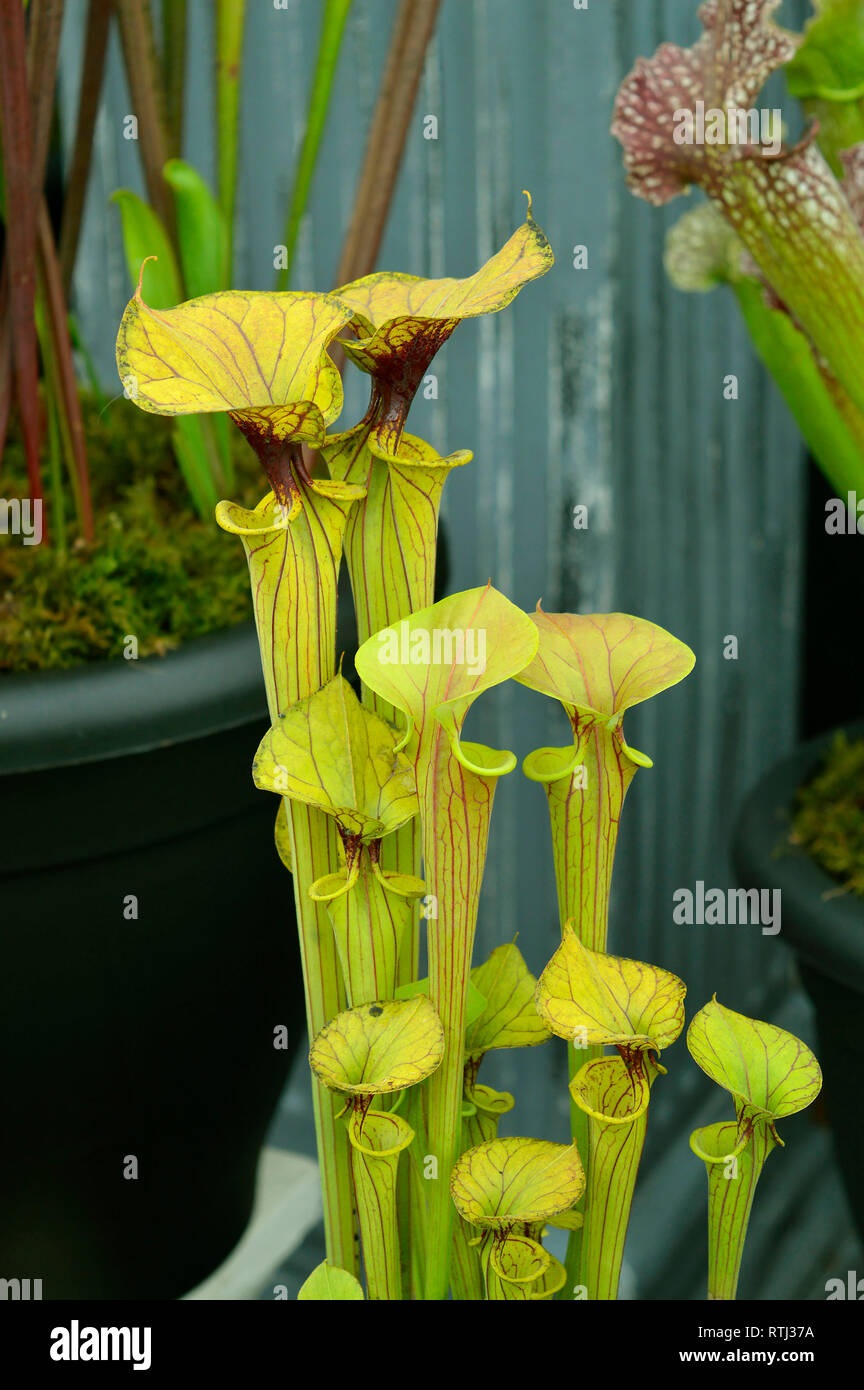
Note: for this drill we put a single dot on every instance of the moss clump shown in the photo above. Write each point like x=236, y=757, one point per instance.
x=155, y=571
x=829, y=818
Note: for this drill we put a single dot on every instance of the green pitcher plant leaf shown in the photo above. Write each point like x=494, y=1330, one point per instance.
x=327, y=1284
x=509, y=1017
x=397, y=523
x=431, y=668
x=597, y=665
x=609, y=1000
x=232, y=351
x=293, y=556
x=260, y=357
x=769, y=1072
x=784, y=202
x=330, y=752
x=379, y=1048
x=593, y=1000
x=507, y=1181
x=370, y=912
x=400, y=321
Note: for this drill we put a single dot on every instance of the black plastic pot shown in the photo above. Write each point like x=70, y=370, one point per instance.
x=138, y=1043
x=827, y=935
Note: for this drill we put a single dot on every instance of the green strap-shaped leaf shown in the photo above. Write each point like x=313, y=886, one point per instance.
x=509, y=1180
x=201, y=231
x=601, y=999
x=379, y=1048
x=509, y=1017
x=769, y=1071
x=327, y=1284
x=330, y=752
x=145, y=238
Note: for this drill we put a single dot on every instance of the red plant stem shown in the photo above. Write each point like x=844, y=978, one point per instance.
x=58, y=327
x=43, y=47
x=139, y=56
x=95, y=47
x=5, y=359
x=17, y=153
x=387, y=134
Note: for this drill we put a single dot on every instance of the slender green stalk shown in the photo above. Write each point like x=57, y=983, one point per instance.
x=55, y=467
x=332, y=28
x=230, y=22
x=174, y=68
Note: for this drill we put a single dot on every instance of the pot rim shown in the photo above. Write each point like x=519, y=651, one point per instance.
x=110, y=709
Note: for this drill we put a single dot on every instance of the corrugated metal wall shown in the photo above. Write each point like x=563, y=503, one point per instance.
x=600, y=386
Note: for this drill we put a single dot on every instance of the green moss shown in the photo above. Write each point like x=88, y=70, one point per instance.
x=155, y=570
x=829, y=819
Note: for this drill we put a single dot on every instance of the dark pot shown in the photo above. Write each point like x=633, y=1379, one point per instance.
x=827, y=935
x=148, y=1037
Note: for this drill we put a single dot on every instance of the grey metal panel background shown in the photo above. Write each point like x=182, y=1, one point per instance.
x=600, y=386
